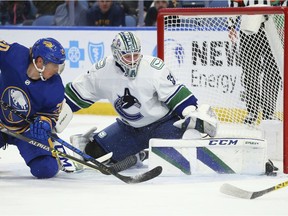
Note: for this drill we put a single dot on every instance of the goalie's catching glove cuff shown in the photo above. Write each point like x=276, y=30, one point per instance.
x=202, y=119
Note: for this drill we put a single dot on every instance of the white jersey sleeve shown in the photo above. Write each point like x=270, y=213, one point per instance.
x=151, y=95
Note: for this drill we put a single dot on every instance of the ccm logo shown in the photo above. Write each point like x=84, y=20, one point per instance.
x=223, y=142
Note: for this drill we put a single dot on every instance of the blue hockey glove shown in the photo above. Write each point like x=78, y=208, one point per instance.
x=40, y=128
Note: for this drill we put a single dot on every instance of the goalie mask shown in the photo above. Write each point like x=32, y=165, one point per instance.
x=126, y=50
x=51, y=51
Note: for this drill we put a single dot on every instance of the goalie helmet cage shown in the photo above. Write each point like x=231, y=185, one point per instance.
x=195, y=44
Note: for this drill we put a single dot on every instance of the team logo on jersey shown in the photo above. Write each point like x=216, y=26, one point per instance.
x=128, y=106
x=18, y=100
x=27, y=82
x=96, y=51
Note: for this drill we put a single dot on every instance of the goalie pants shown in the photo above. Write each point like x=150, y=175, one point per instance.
x=124, y=140
x=261, y=76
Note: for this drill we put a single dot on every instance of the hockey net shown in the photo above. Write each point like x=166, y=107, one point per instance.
x=197, y=45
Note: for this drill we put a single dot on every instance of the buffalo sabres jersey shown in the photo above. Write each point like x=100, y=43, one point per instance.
x=140, y=101
x=29, y=97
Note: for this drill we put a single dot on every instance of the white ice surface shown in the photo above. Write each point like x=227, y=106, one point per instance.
x=92, y=193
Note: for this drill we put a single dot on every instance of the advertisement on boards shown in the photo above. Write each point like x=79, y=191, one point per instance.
x=83, y=46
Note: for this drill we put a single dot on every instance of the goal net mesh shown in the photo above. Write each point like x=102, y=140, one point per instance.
x=232, y=59
x=233, y=62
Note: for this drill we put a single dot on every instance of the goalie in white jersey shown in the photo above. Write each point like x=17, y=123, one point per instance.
x=145, y=94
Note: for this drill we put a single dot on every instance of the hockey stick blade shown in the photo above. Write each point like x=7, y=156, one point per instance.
x=143, y=176
x=234, y=191
x=125, y=164
x=104, y=157
x=121, y=165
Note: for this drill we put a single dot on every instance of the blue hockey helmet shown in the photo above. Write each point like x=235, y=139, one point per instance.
x=50, y=50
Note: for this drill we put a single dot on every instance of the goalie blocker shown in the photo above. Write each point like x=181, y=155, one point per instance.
x=209, y=156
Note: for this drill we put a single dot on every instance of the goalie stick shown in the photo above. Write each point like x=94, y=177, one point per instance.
x=234, y=191
x=99, y=166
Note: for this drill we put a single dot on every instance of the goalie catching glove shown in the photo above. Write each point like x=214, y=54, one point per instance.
x=202, y=119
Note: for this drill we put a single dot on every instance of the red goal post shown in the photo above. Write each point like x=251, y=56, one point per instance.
x=194, y=43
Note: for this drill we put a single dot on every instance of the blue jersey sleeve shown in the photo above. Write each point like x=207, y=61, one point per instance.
x=4, y=47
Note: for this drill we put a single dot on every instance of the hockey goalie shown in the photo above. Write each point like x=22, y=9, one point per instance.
x=152, y=104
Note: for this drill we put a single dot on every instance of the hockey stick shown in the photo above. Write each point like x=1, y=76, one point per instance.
x=45, y=147
x=127, y=179
x=231, y=190
x=115, y=168
x=99, y=166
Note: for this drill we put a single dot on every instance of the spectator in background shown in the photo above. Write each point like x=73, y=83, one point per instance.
x=45, y=12
x=91, y=3
x=15, y=12
x=106, y=13
x=130, y=7
x=147, y=5
x=151, y=16
x=62, y=16
x=3, y=13
x=46, y=7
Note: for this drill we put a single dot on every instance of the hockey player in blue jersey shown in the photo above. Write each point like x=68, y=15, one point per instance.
x=145, y=93
x=30, y=83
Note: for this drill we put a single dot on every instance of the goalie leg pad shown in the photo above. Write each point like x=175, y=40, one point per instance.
x=208, y=156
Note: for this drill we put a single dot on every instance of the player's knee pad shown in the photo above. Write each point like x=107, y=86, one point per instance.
x=44, y=167
x=94, y=149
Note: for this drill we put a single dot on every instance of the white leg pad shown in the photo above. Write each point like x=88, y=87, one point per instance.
x=209, y=156
x=273, y=133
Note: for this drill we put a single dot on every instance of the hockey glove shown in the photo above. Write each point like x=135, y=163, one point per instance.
x=202, y=119
x=40, y=128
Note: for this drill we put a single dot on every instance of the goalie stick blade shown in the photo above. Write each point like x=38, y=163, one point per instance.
x=125, y=164
x=105, y=157
x=141, y=177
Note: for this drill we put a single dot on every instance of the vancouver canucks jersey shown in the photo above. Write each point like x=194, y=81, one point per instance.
x=29, y=97
x=141, y=101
